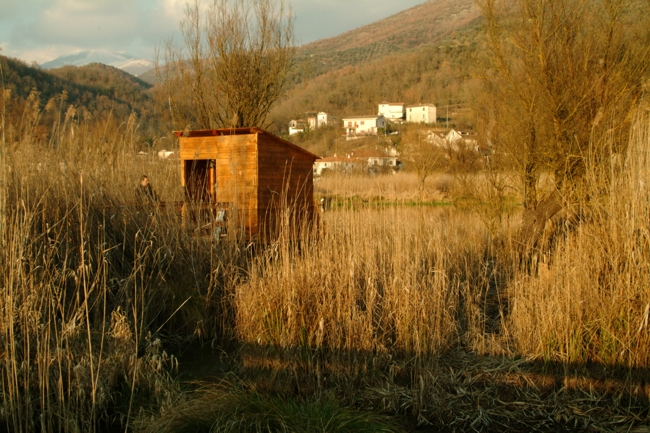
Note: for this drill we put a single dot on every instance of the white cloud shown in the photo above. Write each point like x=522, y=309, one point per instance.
x=173, y=8
x=43, y=29
x=51, y=28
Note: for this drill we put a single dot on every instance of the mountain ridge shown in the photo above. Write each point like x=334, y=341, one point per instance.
x=402, y=29
x=408, y=30
x=132, y=65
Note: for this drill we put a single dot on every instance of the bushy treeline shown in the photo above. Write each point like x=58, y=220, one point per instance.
x=97, y=90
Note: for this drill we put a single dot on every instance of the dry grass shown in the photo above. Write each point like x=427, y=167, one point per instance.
x=401, y=187
x=590, y=299
x=93, y=283
x=374, y=281
x=387, y=308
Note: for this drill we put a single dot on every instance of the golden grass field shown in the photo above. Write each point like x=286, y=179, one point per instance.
x=418, y=311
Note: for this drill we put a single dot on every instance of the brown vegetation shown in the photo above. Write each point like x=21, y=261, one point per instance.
x=98, y=90
x=564, y=79
x=373, y=309
x=233, y=66
x=432, y=314
x=424, y=24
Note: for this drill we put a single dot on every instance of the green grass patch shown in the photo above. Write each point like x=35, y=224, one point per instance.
x=231, y=408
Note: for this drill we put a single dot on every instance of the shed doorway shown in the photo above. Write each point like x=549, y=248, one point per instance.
x=201, y=180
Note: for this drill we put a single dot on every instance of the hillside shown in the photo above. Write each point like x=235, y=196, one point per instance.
x=108, y=81
x=406, y=31
x=444, y=73
x=420, y=25
x=101, y=89
x=423, y=54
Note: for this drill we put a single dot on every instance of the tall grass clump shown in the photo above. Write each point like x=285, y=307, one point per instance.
x=375, y=288
x=95, y=286
x=590, y=301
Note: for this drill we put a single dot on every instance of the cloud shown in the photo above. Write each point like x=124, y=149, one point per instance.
x=41, y=30
x=58, y=27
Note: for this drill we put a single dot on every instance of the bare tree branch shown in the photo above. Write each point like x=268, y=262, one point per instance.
x=233, y=64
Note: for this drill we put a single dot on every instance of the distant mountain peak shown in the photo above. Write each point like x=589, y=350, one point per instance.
x=122, y=61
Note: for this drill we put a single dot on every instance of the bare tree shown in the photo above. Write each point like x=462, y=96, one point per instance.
x=565, y=77
x=232, y=66
x=422, y=157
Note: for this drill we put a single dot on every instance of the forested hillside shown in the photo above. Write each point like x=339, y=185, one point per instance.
x=423, y=54
x=408, y=30
x=101, y=90
x=444, y=73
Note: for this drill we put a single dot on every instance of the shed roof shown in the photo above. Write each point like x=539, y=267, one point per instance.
x=241, y=131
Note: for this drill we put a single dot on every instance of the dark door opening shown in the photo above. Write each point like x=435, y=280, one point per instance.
x=201, y=180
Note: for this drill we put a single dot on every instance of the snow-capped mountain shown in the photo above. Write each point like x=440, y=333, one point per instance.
x=121, y=61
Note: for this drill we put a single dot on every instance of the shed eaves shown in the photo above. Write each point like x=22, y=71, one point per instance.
x=240, y=131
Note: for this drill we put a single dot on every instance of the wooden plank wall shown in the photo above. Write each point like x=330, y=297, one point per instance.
x=236, y=166
x=285, y=182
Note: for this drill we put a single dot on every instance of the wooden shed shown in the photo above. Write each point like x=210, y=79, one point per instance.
x=246, y=179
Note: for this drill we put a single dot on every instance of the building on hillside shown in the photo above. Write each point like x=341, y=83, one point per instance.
x=452, y=139
x=363, y=126
x=464, y=139
x=392, y=110
x=246, y=177
x=358, y=160
x=341, y=164
x=422, y=113
x=319, y=120
x=297, y=126
x=375, y=158
x=437, y=137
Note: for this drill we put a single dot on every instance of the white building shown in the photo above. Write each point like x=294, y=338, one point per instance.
x=422, y=113
x=296, y=126
x=466, y=139
x=359, y=126
x=324, y=119
x=358, y=160
x=342, y=164
x=452, y=139
x=392, y=110
x=318, y=120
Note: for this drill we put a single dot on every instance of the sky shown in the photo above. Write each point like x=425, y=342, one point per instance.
x=41, y=30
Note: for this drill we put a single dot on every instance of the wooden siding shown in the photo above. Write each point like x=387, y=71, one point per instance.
x=258, y=177
x=285, y=182
x=235, y=158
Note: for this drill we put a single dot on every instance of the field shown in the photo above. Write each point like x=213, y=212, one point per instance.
x=395, y=311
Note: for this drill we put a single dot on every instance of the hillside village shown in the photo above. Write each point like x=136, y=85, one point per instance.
x=384, y=157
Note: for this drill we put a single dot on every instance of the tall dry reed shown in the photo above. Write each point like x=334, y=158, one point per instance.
x=94, y=284
x=590, y=301
x=393, y=187
x=397, y=283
